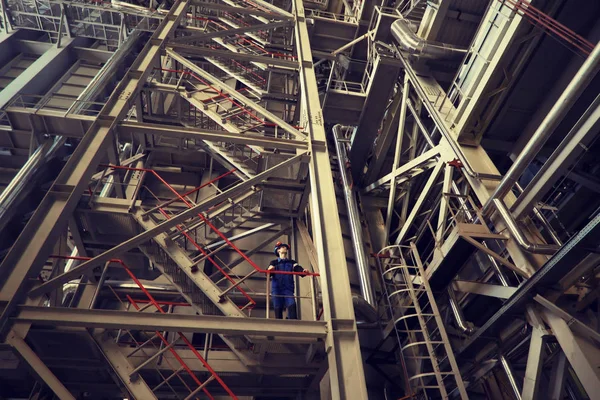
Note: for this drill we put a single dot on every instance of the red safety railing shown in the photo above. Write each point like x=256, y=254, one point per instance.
x=181, y=198
x=150, y=299
x=539, y=18
x=243, y=109
x=250, y=43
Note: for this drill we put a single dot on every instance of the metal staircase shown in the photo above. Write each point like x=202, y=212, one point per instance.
x=426, y=353
x=153, y=347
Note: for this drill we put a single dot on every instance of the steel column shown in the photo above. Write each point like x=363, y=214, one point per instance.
x=346, y=372
x=535, y=361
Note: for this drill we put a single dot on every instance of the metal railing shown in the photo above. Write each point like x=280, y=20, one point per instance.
x=151, y=352
x=64, y=105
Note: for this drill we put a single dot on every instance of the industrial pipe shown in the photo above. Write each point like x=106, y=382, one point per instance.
x=362, y=262
x=580, y=81
x=12, y=195
x=516, y=232
x=411, y=43
x=465, y=326
x=511, y=376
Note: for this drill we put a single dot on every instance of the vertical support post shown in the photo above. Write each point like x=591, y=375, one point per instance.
x=268, y=292
x=344, y=356
x=447, y=187
x=535, y=358
x=313, y=298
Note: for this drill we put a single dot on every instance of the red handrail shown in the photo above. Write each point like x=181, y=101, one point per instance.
x=162, y=338
x=205, y=220
x=538, y=17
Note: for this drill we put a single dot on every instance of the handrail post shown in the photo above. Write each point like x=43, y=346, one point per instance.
x=268, y=295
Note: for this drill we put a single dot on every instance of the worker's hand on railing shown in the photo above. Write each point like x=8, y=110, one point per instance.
x=298, y=268
x=271, y=268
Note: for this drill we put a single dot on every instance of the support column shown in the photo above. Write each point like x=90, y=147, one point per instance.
x=346, y=372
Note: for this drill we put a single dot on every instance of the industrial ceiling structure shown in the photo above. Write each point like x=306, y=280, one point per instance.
x=432, y=164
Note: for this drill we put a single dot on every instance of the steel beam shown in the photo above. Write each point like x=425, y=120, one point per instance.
x=485, y=289
x=229, y=32
x=31, y=250
x=239, y=10
x=208, y=52
x=397, y=155
x=412, y=164
x=346, y=372
x=535, y=361
x=419, y=203
x=573, y=252
x=557, y=377
x=109, y=319
x=38, y=366
x=138, y=389
x=40, y=75
x=211, y=135
x=162, y=227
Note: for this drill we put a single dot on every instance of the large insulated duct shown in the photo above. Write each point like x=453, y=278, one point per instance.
x=416, y=46
x=362, y=262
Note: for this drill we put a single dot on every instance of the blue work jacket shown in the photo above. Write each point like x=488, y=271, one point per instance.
x=283, y=281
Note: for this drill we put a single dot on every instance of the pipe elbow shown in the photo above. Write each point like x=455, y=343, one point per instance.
x=411, y=43
x=517, y=233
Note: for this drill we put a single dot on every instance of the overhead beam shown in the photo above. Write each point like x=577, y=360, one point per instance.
x=109, y=319
x=208, y=52
x=240, y=10
x=212, y=135
x=484, y=289
x=228, y=32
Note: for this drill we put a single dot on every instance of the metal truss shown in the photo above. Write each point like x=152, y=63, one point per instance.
x=177, y=99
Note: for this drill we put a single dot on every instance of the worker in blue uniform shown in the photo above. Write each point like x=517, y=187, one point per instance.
x=282, y=285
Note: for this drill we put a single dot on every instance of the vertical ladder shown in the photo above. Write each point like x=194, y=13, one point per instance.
x=426, y=354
